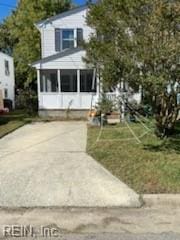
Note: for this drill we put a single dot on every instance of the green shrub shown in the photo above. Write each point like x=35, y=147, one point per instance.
x=105, y=105
x=27, y=100
x=143, y=109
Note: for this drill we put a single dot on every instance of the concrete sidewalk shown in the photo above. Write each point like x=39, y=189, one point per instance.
x=45, y=164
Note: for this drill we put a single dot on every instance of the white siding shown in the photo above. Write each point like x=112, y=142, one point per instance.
x=7, y=82
x=73, y=61
x=62, y=100
x=67, y=100
x=74, y=21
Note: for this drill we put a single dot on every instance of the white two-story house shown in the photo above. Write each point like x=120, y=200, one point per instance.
x=65, y=82
x=7, y=78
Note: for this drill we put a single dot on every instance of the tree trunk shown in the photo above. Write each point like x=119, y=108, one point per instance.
x=166, y=115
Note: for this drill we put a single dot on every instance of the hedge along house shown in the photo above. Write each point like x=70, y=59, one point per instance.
x=65, y=82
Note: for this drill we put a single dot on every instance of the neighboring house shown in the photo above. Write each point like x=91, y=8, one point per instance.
x=7, y=78
x=65, y=82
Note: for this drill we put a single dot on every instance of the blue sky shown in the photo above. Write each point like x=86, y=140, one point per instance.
x=6, y=7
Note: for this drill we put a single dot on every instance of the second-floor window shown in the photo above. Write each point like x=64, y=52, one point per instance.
x=6, y=64
x=68, y=38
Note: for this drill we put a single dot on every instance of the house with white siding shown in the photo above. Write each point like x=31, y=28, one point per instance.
x=7, y=78
x=65, y=82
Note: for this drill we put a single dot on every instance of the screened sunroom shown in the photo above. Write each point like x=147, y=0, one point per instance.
x=67, y=88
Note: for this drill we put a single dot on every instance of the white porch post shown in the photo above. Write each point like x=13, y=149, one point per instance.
x=59, y=80
x=98, y=85
x=78, y=87
x=59, y=88
x=38, y=85
x=141, y=93
x=75, y=38
x=78, y=81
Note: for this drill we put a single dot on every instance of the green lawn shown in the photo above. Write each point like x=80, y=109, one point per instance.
x=11, y=121
x=152, y=166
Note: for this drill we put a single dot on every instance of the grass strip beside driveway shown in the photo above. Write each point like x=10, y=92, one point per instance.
x=14, y=120
x=150, y=167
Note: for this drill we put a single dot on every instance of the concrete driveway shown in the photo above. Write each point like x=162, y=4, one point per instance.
x=45, y=164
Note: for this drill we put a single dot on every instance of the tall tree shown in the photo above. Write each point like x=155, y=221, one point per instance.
x=111, y=46
x=138, y=41
x=157, y=47
x=22, y=36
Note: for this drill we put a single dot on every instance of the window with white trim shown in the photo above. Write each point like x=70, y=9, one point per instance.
x=68, y=39
x=49, y=81
x=68, y=80
x=5, y=93
x=87, y=81
x=6, y=64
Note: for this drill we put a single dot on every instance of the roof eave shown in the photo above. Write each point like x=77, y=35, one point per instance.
x=58, y=55
x=71, y=11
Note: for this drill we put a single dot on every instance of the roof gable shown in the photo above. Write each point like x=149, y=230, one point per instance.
x=62, y=15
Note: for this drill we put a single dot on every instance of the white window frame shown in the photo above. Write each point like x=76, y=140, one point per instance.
x=6, y=94
x=91, y=91
x=45, y=81
x=71, y=81
x=73, y=39
x=7, y=68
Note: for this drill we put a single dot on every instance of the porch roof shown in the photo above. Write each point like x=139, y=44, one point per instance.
x=58, y=55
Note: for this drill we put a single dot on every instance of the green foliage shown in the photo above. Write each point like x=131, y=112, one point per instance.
x=27, y=100
x=6, y=42
x=159, y=54
x=19, y=35
x=139, y=41
x=105, y=105
x=110, y=48
x=145, y=110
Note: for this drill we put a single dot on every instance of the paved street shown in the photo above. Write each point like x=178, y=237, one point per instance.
x=147, y=223
x=165, y=236
x=152, y=220
x=45, y=164
x=111, y=236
